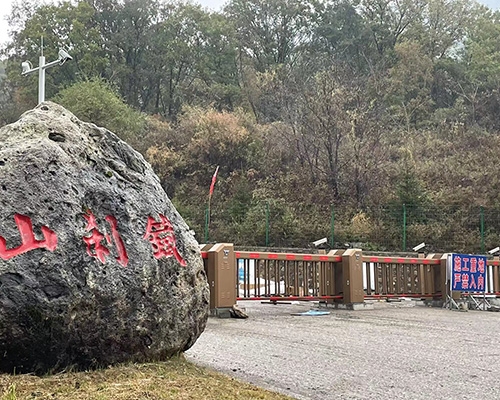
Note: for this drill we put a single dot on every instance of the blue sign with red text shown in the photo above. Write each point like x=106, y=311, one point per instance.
x=468, y=273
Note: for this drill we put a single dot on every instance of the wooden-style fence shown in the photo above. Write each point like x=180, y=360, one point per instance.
x=340, y=276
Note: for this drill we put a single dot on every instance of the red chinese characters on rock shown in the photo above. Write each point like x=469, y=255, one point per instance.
x=28, y=240
x=99, y=250
x=162, y=238
x=159, y=234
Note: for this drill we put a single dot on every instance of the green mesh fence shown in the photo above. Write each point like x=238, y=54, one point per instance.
x=442, y=229
x=395, y=228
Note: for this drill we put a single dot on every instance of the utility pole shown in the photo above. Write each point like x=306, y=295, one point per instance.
x=28, y=69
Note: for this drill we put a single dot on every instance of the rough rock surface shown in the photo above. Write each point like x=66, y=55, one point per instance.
x=102, y=280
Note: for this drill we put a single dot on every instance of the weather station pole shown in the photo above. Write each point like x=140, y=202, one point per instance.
x=41, y=74
x=28, y=69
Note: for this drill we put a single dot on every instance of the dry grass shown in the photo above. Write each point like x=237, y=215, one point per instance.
x=174, y=379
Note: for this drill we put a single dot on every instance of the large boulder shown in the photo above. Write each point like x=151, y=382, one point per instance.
x=96, y=265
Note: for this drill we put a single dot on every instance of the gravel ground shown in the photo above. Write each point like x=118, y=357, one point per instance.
x=396, y=351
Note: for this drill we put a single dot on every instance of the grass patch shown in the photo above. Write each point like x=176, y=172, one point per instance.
x=174, y=379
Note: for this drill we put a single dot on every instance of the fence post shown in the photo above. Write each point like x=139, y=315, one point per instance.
x=332, y=228
x=496, y=287
x=404, y=227
x=440, y=279
x=222, y=278
x=267, y=224
x=206, y=225
x=352, y=277
x=482, y=230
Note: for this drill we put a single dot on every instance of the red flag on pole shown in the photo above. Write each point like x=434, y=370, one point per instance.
x=214, y=178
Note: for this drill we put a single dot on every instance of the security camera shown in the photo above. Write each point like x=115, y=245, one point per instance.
x=63, y=57
x=320, y=241
x=495, y=250
x=419, y=247
x=26, y=66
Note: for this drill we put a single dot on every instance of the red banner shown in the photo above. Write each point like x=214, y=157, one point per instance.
x=214, y=178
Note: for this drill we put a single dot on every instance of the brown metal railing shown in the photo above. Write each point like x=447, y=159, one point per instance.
x=400, y=276
x=493, y=277
x=292, y=276
x=265, y=275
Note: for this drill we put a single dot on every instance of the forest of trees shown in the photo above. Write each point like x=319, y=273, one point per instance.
x=352, y=110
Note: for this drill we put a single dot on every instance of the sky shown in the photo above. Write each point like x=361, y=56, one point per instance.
x=6, y=6
x=215, y=5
